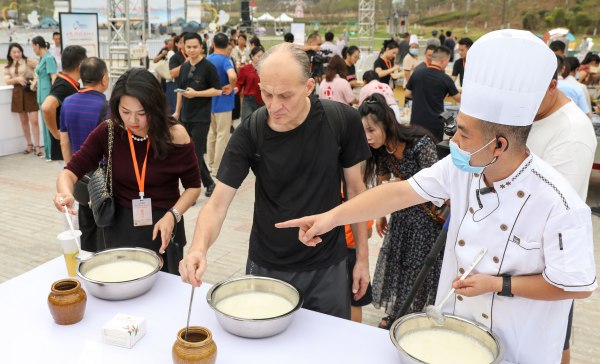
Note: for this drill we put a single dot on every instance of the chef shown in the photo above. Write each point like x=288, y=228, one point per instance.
x=537, y=231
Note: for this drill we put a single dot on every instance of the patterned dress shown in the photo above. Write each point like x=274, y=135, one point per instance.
x=411, y=235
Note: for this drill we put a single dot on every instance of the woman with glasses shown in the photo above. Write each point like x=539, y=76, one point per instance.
x=397, y=153
x=151, y=155
x=351, y=56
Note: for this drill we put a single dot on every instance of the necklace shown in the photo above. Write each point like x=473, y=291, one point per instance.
x=139, y=139
x=391, y=151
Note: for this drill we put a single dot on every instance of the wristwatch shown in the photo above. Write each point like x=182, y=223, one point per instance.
x=506, y=286
x=176, y=214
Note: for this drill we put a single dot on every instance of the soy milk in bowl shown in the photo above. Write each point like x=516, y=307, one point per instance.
x=459, y=341
x=254, y=307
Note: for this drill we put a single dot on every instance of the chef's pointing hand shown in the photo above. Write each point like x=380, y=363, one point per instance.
x=310, y=227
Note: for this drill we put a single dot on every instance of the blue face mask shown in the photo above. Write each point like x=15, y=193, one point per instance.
x=414, y=51
x=462, y=158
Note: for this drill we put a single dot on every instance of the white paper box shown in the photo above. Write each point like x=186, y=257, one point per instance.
x=123, y=330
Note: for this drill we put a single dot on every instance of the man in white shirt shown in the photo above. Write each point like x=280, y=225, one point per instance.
x=56, y=50
x=330, y=47
x=563, y=137
x=536, y=229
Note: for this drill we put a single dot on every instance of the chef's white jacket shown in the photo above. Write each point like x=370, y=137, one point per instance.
x=534, y=223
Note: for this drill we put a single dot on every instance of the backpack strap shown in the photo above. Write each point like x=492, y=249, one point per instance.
x=336, y=121
x=335, y=118
x=258, y=121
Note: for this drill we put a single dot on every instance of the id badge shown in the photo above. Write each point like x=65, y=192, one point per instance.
x=142, y=212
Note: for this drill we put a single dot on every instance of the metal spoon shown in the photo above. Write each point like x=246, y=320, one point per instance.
x=187, y=325
x=434, y=313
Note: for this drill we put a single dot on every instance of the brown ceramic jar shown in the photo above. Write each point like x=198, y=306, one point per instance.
x=199, y=348
x=67, y=301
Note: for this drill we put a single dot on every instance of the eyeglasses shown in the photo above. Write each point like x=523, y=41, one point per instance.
x=192, y=70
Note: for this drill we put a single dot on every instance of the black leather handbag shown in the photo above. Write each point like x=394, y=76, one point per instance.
x=100, y=187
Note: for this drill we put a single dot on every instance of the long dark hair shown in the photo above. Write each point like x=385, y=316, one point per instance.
x=9, y=58
x=378, y=110
x=40, y=41
x=141, y=84
x=336, y=66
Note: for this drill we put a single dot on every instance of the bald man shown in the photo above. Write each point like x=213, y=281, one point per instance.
x=298, y=173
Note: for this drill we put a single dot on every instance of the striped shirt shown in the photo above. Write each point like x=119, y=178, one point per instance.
x=80, y=114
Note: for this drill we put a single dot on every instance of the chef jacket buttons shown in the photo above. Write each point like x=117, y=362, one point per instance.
x=503, y=227
x=496, y=260
x=459, y=298
x=484, y=316
x=461, y=271
x=461, y=243
x=520, y=194
x=471, y=210
x=476, y=175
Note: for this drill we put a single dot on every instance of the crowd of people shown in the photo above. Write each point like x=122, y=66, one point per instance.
x=311, y=150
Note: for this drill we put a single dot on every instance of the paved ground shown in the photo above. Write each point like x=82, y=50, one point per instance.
x=30, y=224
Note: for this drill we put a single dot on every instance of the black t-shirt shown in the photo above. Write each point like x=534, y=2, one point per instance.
x=459, y=69
x=175, y=61
x=429, y=87
x=379, y=62
x=205, y=76
x=351, y=73
x=297, y=175
x=60, y=90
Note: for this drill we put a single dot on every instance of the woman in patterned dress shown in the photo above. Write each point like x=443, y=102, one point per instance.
x=399, y=152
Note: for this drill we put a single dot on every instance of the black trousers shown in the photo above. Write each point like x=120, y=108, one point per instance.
x=123, y=234
x=89, y=230
x=324, y=290
x=198, y=132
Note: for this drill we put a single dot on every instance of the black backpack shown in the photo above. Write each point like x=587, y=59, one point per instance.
x=258, y=121
x=335, y=118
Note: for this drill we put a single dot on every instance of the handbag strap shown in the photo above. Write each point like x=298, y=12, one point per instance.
x=111, y=138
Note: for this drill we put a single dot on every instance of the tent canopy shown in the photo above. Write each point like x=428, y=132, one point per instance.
x=284, y=18
x=266, y=17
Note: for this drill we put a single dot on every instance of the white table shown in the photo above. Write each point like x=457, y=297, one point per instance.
x=29, y=335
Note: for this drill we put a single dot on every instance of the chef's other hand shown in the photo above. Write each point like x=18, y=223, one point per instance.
x=360, y=280
x=310, y=227
x=382, y=226
x=64, y=199
x=192, y=267
x=165, y=226
x=476, y=285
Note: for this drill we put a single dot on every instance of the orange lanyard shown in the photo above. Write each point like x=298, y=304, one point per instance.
x=82, y=91
x=141, y=179
x=387, y=63
x=71, y=81
x=184, y=55
x=435, y=67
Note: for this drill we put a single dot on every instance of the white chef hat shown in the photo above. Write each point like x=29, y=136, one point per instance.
x=507, y=74
x=413, y=39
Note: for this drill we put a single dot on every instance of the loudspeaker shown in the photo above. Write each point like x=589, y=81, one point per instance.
x=246, y=13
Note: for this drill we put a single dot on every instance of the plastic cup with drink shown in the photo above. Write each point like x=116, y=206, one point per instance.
x=69, y=241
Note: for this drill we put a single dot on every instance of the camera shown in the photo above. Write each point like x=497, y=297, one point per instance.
x=449, y=120
x=317, y=60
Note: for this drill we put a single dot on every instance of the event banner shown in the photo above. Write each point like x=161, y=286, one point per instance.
x=80, y=29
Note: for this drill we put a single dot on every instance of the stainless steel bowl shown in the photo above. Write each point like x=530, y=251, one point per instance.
x=254, y=328
x=419, y=321
x=124, y=290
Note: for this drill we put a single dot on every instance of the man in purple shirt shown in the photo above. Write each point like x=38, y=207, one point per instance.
x=80, y=114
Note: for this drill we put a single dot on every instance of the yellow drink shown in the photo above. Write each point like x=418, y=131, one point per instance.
x=71, y=263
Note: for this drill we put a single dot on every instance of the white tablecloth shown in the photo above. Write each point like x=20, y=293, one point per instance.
x=29, y=335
